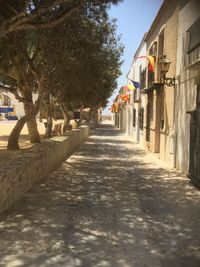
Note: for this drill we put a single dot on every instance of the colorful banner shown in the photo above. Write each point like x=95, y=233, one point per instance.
x=151, y=66
x=136, y=84
x=124, y=97
x=129, y=87
x=115, y=107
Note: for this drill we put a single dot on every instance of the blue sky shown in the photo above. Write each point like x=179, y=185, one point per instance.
x=134, y=18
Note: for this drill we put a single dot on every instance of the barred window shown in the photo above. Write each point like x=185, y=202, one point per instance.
x=134, y=117
x=141, y=118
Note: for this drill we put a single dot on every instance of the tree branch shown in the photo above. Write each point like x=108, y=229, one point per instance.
x=10, y=8
x=38, y=102
x=18, y=97
x=31, y=65
x=14, y=91
x=6, y=88
x=24, y=21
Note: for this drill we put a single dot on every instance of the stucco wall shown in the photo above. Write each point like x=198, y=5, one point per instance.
x=18, y=176
x=185, y=98
x=161, y=140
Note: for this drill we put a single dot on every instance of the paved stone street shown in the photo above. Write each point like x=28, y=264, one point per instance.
x=111, y=204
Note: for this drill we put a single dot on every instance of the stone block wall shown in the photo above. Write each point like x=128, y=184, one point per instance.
x=34, y=164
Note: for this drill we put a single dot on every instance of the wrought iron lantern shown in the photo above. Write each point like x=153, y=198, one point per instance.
x=164, y=63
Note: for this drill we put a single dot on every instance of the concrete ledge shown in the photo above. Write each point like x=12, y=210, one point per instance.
x=36, y=163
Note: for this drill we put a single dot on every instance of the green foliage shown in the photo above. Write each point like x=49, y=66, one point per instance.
x=20, y=15
x=79, y=58
x=83, y=65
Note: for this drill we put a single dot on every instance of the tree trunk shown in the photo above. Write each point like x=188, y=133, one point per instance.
x=92, y=113
x=29, y=109
x=34, y=135
x=66, y=117
x=81, y=115
x=40, y=116
x=13, y=140
x=49, y=123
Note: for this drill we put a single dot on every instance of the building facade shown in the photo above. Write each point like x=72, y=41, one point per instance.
x=164, y=114
x=187, y=90
x=161, y=39
x=12, y=102
x=136, y=110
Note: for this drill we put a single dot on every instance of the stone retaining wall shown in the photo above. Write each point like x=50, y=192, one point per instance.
x=31, y=165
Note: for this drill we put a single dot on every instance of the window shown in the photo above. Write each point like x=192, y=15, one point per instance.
x=194, y=36
x=153, y=49
x=6, y=101
x=134, y=117
x=161, y=40
x=141, y=118
x=143, y=79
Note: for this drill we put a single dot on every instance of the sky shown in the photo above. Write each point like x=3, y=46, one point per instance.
x=134, y=18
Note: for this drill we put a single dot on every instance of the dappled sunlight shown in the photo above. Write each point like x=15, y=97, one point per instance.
x=109, y=204
x=42, y=260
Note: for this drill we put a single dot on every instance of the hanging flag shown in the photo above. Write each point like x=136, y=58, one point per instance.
x=117, y=107
x=125, y=87
x=113, y=108
x=151, y=66
x=124, y=97
x=136, y=84
x=129, y=87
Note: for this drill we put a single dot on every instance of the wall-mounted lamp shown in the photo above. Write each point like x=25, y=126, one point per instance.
x=164, y=63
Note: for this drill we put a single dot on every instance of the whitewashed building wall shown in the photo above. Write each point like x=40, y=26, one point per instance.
x=137, y=66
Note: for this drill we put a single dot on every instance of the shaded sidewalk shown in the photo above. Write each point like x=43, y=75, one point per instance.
x=110, y=204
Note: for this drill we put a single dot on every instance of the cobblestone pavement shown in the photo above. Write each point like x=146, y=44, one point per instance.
x=111, y=204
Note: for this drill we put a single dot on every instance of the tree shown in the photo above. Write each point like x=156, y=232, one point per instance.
x=61, y=62
x=20, y=77
x=18, y=15
x=83, y=70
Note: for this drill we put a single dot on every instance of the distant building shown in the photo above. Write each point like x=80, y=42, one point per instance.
x=136, y=110
x=8, y=100
x=7, y=107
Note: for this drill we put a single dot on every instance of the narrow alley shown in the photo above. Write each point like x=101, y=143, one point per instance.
x=111, y=204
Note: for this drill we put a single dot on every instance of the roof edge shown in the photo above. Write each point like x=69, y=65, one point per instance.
x=143, y=41
x=160, y=11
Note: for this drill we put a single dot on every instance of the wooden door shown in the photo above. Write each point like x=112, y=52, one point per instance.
x=194, y=164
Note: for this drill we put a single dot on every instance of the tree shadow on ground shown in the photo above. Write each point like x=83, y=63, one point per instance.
x=111, y=204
